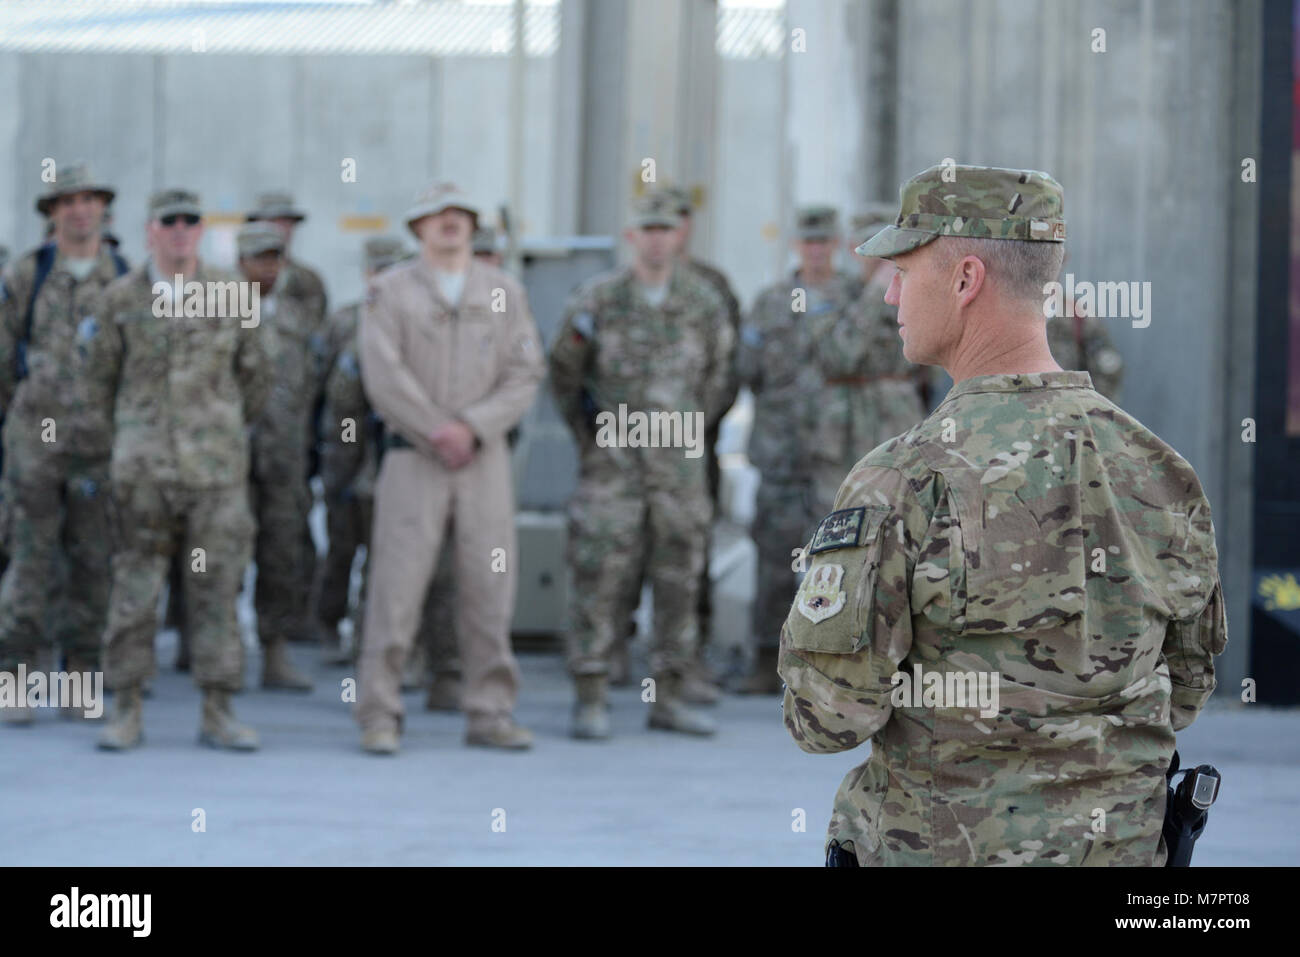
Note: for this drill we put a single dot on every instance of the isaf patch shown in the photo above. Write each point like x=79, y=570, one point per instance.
x=821, y=595
x=841, y=529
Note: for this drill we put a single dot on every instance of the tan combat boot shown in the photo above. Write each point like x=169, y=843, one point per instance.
x=698, y=687
x=219, y=728
x=125, y=729
x=590, y=711
x=416, y=665
x=763, y=679
x=670, y=713
x=498, y=731
x=444, y=692
x=278, y=672
x=379, y=740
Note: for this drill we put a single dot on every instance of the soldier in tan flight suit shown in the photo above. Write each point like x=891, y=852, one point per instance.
x=450, y=359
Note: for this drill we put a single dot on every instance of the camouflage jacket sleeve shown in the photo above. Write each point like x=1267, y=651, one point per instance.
x=749, y=350
x=519, y=359
x=851, y=622
x=568, y=361
x=1192, y=642
x=13, y=302
x=343, y=425
x=722, y=385
x=253, y=373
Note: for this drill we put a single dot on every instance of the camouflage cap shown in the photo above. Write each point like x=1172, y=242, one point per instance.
x=168, y=202
x=276, y=205
x=72, y=178
x=869, y=219
x=485, y=240
x=258, y=237
x=980, y=202
x=435, y=199
x=655, y=207
x=817, y=222
x=682, y=197
x=382, y=251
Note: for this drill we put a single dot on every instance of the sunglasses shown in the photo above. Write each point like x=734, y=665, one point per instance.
x=189, y=219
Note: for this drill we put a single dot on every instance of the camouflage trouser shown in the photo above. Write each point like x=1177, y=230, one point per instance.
x=280, y=501
x=785, y=516
x=617, y=521
x=56, y=586
x=154, y=522
x=348, y=521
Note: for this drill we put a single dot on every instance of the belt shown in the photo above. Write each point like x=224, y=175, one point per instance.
x=394, y=441
x=867, y=379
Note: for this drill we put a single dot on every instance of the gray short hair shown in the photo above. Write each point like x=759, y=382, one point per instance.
x=1020, y=267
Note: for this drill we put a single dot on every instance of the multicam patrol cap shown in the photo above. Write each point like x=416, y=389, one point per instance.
x=435, y=199
x=817, y=222
x=168, y=202
x=276, y=205
x=869, y=219
x=655, y=207
x=485, y=240
x=72, y=178
x=256, y=238
x=979, y=202
x=382, y=251
x=682, y=197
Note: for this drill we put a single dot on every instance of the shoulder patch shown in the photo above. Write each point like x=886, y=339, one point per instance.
x=821, y=595
x=848, y=528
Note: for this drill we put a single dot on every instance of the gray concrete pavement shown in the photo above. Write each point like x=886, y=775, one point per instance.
x=312, y=797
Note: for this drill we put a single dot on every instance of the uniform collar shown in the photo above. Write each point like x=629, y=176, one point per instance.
x=476, y=292
x=1020, y=382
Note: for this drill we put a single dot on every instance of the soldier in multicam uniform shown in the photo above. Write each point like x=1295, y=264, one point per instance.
x=654, y=337
x=776, y=362
x=279, y=450
x=57, y=435
x=350, y=454
x=183, y=389
x=301, y=284
x=1029, y=534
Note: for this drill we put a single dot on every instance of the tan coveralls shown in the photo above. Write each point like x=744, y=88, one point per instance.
x=425, y=363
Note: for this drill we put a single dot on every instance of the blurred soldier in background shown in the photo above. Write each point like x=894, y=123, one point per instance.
x=870, y=393
x=351, y=447
x=279, y=451
x=777, y=362
x=4, y=509
x=450, y=359
x=57, y=434
x=699, y=684
x=485, y=246
x=184, y=387
x=650, y=337
x=303, y=285
x=1081, y=342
